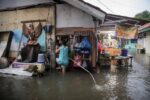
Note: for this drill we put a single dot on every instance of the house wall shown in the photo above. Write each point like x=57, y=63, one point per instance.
x=70, y=19
x=147, y=42
x=69, y=16
x=141, y=42
x=11, y=21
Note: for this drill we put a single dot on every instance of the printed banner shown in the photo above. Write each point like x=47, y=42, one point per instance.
x=126, y=32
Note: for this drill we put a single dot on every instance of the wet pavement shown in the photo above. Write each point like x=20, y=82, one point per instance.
x=114, y=84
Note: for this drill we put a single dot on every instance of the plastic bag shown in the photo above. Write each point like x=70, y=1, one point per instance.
x=77, y=60
x=77, y=47
x=85, y=44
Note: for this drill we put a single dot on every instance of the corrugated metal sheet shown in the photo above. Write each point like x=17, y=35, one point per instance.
x=145, y=26
x=145, y=30
x=88, y=8
x=12, y=4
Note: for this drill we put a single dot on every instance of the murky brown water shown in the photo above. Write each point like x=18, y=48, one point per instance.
x=114, y=84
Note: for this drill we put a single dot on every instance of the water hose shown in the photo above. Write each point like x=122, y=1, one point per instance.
x=85, y=70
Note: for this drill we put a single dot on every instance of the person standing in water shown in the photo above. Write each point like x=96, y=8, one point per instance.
x=62, y=59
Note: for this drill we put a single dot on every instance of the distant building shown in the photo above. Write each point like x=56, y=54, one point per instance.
x=144, y=37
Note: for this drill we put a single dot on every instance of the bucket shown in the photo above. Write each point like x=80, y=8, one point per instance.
x=124, y=52
x=41, y=58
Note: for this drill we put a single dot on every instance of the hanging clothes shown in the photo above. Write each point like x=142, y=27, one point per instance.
x=99, y=47
x=85, y=46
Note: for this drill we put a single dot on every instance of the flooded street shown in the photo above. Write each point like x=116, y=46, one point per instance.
x=113, y=84
x=74, y=50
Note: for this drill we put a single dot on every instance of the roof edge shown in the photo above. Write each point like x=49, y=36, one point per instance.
x=127, y=17
x=28, y=6
x=97, y=8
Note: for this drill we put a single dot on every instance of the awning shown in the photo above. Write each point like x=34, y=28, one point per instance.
x=144, y=30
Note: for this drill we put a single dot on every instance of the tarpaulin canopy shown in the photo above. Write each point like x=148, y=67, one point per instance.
x=126, y=32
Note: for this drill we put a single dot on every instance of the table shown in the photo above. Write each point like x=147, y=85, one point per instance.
x=123, y=60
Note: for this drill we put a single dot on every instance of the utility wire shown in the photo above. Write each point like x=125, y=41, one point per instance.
x=105, y=6
x=125, y=5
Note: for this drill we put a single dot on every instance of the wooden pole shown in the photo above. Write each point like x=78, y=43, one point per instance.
x=19, y=45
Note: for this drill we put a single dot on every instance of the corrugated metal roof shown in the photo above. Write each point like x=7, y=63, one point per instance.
x=145, y=28
x=125, y=20
x=88, y=8
x=82, y=5
x=14, y=4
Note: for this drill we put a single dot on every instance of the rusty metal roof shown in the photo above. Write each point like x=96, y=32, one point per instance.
x=6, y=5
x=111, y=18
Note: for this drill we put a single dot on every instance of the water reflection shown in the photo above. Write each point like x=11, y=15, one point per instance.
x=113, y=84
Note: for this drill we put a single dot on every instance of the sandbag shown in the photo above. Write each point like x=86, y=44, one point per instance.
x=31, y=68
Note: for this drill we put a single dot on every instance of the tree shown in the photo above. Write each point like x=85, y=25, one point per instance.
x=145, y=15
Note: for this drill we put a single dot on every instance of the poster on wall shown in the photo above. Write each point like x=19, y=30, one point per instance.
x=126, y=32
x=17, y=36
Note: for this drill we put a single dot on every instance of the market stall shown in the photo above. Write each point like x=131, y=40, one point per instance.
x=113, y=45
x=109, y=48
x=82, y=47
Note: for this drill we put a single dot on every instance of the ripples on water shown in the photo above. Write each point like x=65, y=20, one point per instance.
x=112, y=84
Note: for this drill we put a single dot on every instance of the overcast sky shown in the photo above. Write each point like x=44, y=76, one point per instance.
x=122, y=7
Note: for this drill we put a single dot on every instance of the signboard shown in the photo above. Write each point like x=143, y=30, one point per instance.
x=126, y=32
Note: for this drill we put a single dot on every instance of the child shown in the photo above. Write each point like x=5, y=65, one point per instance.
x=63, y=59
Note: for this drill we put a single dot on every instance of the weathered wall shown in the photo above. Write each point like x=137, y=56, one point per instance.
x=70, y=19
x=69, y=16
x=11, y=21
x=141, y=42
x=147, y=41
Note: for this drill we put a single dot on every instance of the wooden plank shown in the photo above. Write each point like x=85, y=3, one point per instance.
x=29, y=21
x=5, y=42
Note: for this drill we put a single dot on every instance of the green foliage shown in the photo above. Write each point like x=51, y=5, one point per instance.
x=145, y=15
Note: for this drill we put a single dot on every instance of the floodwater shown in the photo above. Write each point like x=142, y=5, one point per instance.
x=113, y=84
